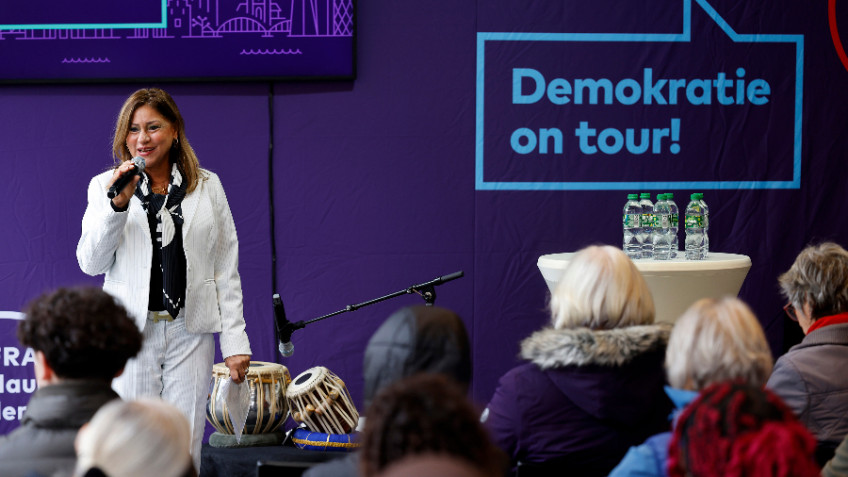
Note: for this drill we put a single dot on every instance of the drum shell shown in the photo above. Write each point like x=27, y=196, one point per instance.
x=268, y=407
x=313, y=389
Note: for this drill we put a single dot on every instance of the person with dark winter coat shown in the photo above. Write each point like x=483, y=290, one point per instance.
x=593, y=382
x=82, y=338
x=412, y=340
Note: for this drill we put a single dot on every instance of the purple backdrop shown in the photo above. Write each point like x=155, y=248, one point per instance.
x=376, y=181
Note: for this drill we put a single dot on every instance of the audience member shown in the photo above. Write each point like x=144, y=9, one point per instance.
x=734, y=429
x=82, y=339
x=430, y=465
x=593, y=383
x=144, y=438
x=426, y=414
x=414, y=339
x=816, y=287
x=712, y=342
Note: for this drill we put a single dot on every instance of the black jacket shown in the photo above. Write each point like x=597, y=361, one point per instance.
x=44, y=443
x=412, y=340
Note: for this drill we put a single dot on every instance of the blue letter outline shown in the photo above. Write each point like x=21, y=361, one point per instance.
x=685, y=36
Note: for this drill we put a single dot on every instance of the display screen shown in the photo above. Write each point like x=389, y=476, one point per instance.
x=105, y=40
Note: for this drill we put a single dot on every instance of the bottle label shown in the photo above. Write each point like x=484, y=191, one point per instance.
x=631, y=220
x=664, y=221
x=694, y=221
x=674, y=219
x=648, y=220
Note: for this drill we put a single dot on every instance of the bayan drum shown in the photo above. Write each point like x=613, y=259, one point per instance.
x=319, y=400
x=268, y=407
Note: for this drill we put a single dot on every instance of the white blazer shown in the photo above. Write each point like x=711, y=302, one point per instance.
x=119, y=245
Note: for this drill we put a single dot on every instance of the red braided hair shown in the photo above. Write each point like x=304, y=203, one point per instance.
x=735, y=429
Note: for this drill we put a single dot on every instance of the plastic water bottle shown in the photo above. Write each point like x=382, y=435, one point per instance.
x=647, y=225
x=674, y=217
x=694, y=225
x=632, y=223
x=662, y=229
x=706, y=225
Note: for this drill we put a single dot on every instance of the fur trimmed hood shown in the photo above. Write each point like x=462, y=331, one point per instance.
x=553, y=348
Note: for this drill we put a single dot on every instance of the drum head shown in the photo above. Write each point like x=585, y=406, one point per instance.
x=265, y=368
x=306, y=380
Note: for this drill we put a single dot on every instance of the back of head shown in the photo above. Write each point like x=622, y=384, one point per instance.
x=601, y=289
x=143, y=438
x=819, y=277
x=734, y=429
x=432, y=464
x=714, y=341
x=417, y=339
x=83, y=332
x=425, y=414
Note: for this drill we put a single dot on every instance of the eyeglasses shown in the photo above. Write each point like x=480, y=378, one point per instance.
x=790, y=311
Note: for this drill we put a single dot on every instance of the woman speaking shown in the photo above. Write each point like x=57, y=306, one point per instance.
x=168, y=247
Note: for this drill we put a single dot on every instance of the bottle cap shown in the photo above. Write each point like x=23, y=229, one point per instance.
x=662, y=196
x=632, y=196
x=700, y=195
x=694, y=196
x=669, y=195
x=645, y=195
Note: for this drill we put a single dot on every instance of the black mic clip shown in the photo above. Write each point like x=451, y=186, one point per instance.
x=428, y=290
x=284, y=327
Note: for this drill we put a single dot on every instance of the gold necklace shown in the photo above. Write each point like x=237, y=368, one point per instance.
x=160, y=190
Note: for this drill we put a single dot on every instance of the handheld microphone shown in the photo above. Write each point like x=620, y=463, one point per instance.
x=284, y=327
x=124, y=180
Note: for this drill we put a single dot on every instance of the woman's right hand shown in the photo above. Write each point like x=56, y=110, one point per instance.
x=123, y=198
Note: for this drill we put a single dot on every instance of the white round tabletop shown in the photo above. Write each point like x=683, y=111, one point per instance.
x=675, y=284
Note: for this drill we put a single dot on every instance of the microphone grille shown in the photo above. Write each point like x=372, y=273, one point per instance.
x=139, y=163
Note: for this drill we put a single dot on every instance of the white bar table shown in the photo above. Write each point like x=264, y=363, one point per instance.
x=675, y=284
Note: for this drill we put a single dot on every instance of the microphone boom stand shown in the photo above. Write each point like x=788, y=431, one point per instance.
x=427, y=291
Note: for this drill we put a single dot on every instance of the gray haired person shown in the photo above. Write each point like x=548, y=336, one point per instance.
x=809, y=377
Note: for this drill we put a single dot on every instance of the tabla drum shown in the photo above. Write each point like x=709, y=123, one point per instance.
x=268, y=406
x=319, y=400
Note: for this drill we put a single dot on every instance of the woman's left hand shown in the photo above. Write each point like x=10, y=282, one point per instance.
x=238, y=364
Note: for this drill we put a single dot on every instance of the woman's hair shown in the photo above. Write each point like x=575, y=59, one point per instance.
x=181, y=152
x=734, y=429
x=143, y=438
x=717, y=340
x=601, y=288
x=83, y=332
x=819, y=277
x=425, y=414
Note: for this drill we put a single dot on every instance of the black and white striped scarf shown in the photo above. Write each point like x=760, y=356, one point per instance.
x=170, y=225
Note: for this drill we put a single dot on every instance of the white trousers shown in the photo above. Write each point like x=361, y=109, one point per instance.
x=177, y=366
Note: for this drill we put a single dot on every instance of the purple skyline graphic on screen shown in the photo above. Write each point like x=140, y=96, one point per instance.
x=173, y=39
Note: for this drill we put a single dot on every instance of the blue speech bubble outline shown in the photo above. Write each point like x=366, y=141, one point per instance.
x=163, y=23
x=685, y=36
